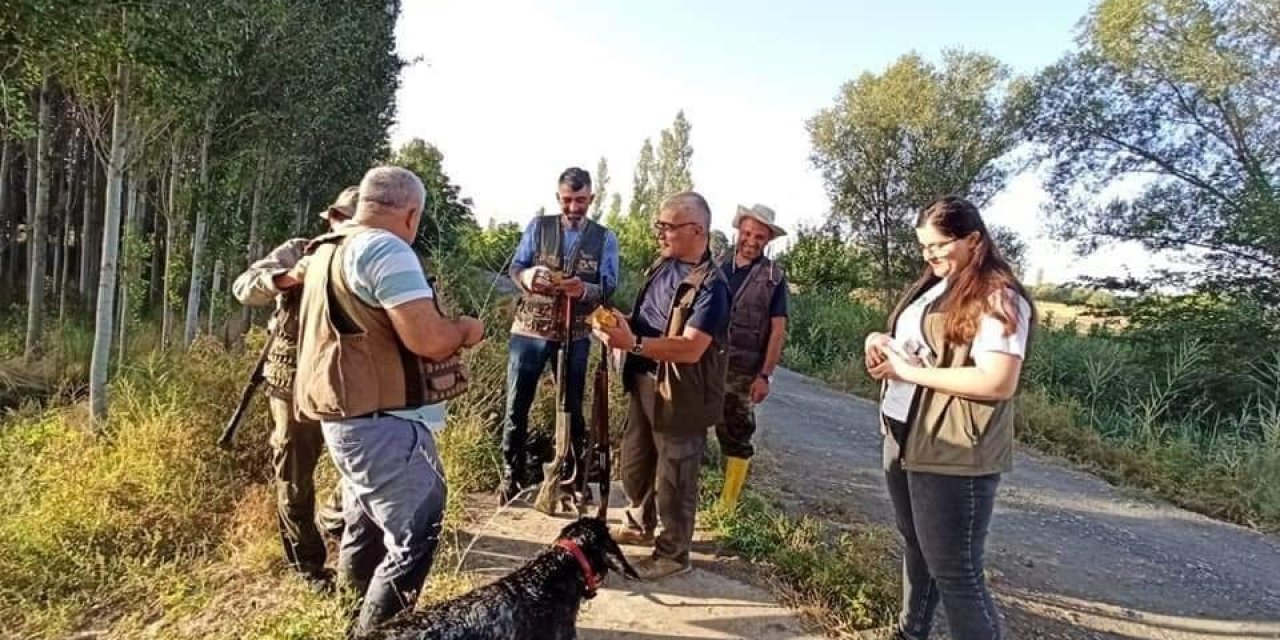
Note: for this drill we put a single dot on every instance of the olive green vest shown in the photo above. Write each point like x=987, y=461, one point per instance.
x=951, y=435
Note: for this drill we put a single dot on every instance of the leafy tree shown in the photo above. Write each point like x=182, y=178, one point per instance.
x=1175, y=100
x=820, y=259
x=601, y=188
x=675, y=157
x=895, y=141
x=446, y=218
x=643, y=189
x=1011, y=246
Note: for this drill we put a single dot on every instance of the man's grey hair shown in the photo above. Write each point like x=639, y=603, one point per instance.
x=693, y=203
x=392, y=187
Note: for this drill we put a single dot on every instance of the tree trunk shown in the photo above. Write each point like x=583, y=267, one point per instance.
x=6, y=217
x=38, y=238
x=86, y=226
x=111, y=240
x=65, y=277
x=128, y=218
x=214, y=291
x=31, y=208
x=170, y=246
x=156, y=288
x=254, y=249
x=198, y=242
x=64, y=252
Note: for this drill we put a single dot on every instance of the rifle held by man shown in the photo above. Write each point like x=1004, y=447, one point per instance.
x=246, y=396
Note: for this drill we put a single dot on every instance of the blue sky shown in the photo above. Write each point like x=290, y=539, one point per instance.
x=513, y=92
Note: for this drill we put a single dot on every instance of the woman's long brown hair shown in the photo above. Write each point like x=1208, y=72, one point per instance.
x=977, y=289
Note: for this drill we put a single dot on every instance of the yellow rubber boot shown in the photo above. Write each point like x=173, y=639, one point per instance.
x=735, y=475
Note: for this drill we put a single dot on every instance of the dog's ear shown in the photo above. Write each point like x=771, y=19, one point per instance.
x=614, y=557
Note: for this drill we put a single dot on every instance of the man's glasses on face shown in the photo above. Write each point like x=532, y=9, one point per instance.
x=667, y=227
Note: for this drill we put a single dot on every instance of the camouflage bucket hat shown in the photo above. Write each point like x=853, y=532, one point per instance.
x=345, y=204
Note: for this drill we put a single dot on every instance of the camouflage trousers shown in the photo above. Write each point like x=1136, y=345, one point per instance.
x=735, y=429
x=296, y=448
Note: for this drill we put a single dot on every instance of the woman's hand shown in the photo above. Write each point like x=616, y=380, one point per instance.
x=892, y=367
x=874, y=349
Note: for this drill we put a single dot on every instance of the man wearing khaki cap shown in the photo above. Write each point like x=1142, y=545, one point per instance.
x=296, y=445
x=757, y=329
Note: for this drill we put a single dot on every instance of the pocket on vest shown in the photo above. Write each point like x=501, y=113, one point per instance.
x=342, y=367
x=445, y=379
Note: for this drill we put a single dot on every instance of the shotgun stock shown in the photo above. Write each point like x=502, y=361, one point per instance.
x=246, y=396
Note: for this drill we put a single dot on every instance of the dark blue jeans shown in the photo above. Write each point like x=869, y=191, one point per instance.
x=943, y=521
x=528, y=358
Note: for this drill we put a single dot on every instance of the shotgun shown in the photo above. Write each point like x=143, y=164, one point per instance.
x=598, y=450
x=560, y=477
x=246, y=396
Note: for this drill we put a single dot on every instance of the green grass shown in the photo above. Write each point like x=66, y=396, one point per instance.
x=844, y=581
x=150, y=530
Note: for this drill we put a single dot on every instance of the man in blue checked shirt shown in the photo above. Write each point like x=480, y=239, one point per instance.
x=559, y=255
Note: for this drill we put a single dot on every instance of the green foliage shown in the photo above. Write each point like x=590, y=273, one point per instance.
x=446, y=220
x=895, y=141
x=492, y=248
x=601, y=189
x=848, y=580
x=820, y=259
x=1074, y=295
x=655, y=178
x=1177, y=99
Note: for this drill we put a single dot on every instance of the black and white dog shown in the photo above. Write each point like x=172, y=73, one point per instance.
x=539, y=600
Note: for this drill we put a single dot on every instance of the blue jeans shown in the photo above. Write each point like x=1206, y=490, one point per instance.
x=394, y=498
x=527, y=360
x=943, y=521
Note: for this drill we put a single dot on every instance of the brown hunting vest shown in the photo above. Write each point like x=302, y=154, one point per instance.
x=542, y=316
x=951, y=435
x=750, y=322
x=690, y=397
x=351, y=362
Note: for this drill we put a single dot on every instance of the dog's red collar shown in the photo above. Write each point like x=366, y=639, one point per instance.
x=593, y=580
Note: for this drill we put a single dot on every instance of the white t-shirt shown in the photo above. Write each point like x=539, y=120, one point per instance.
x=909, y=336
x=383, y=271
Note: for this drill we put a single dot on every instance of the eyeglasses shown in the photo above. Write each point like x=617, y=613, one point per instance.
x=666, y=227
x=935, y=247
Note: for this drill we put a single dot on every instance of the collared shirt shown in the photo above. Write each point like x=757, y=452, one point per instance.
x=527, y=251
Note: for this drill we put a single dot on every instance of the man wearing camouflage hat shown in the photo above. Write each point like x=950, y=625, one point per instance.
x=296, y=445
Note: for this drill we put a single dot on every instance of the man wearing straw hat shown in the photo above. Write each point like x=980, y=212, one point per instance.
x=296, y=445
x=757, y=329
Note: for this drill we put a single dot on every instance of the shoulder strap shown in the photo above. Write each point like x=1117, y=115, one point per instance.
x=548, y=231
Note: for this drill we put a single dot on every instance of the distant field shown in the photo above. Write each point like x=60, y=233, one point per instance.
x=1060, y=314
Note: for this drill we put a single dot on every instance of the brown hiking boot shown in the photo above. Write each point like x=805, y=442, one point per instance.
x=652, y=568
x=632, y=536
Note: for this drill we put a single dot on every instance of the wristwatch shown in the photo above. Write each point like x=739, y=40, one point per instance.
x=635, y=348
x=767, y=377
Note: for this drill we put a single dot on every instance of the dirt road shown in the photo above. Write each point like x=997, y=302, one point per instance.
x=1070, y=555
x=706, y=604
